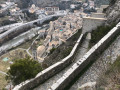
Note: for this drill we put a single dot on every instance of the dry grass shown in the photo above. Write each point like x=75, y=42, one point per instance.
x=28, y=43
x=15, y=54
x=12, y=55
x=4, y=18
x=4, y=66
x=3, y=82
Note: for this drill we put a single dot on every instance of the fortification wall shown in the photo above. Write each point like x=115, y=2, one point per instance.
x=49, y=72
x=98, y=15
x=20, y=39
x=75, y=69
x=5, y=28
x=93, y=53
x=10, y=34
x=102, y=7
x=90, y=23
x=99, y=10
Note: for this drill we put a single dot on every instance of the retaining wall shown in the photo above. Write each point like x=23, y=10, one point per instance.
x=75, y=69
x=91, y=23
x=102, y=7
x=5, y=28
x=10, y=34
x=98, y=15
x=49, y=72
x=20, y=39
x=89, y=57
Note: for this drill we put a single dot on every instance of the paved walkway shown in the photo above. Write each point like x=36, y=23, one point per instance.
x=99, y=66
x=82, y=50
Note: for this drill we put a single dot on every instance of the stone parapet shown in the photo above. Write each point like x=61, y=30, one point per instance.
x=49, y=72
x=89, y=57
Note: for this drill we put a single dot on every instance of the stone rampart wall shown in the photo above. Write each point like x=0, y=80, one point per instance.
x=98, y=15
x=49, y=72
x=91, y=23
x=5, y=28
x=10, y=34
x=75, y=69
x=89, y=57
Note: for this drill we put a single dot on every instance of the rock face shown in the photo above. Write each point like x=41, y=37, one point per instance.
x=101, y=2
x=43, y=3
x=23, y=3
x=40, y=3
x=113, y=12
x=63, y=4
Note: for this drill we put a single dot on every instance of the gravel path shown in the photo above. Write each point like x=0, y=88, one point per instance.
x=99, y=66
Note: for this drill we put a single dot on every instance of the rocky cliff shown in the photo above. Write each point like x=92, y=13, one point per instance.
x=40, y=3
x=23, y=3
x=43, y=3
x=113, y=12
x=101, y=2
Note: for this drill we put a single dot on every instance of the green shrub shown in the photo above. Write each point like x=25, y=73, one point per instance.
x=23, y=69
x=52, y=50
x=98, y=33
x=66, y=52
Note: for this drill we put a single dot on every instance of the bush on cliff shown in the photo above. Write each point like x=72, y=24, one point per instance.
x=98, y=33
x=23, y=69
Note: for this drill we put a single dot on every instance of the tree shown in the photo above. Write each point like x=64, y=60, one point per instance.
x=23, y=69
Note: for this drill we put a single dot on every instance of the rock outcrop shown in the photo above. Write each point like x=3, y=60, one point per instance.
x=113, y=12
x=101, y=2
x=40, y=3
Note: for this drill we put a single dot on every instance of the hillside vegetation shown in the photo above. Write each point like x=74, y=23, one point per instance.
x=40, y=3
x=110, y=80
x=23, y=69
x=100, y=32
x=113, y=12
